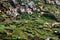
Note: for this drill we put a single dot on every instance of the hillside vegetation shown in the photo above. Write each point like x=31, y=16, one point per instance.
x=29, y=19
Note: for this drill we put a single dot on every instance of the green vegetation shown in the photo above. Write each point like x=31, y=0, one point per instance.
x=25, y=25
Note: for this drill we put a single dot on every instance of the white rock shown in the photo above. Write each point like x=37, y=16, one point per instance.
x=31, y=4
x=48, y=38
x=22, y=10
x=29, y=11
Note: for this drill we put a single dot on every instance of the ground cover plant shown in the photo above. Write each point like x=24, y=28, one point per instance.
x=29, y=20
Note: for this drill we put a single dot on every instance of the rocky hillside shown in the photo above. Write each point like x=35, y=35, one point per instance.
x=29, y=19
